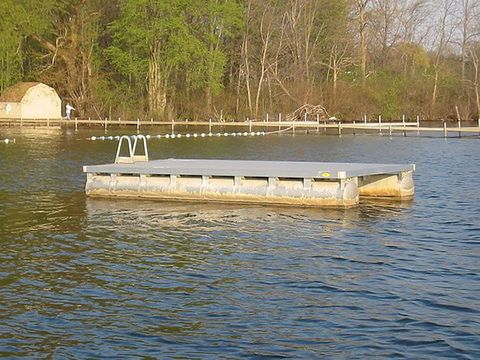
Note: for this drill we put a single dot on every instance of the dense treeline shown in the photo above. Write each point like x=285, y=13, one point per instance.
x=237, y=58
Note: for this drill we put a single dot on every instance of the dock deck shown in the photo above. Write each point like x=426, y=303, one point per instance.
x=264, y=169
x=262, y=182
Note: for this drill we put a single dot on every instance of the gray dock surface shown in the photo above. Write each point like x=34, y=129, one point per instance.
x=247, y=168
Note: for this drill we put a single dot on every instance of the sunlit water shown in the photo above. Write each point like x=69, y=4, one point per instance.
x=83, y=278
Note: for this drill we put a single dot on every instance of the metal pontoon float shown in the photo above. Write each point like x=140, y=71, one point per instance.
x=261, y=182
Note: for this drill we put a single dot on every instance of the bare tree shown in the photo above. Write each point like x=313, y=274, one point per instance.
x=412, y=21
x=245, y=65
x=257, y=51
x=470, y=9
x=384, y=21
x=303, y=36
x=339, y=59
x=71, y=65
x=361, y=15
x=445, y=32
x=475, y=59
x=265, y=35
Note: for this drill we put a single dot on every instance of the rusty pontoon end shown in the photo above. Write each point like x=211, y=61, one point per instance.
x=262, y=182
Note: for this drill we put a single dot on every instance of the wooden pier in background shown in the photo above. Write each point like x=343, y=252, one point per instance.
x=333, y=127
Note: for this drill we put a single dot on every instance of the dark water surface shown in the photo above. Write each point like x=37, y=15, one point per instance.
x=86, y=278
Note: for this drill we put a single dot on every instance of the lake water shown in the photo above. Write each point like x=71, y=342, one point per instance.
x=89, y=278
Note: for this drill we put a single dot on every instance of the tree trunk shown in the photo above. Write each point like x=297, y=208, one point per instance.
x=465, y=35
x=211, y=68
x=362, y=5
x=246, y=59
x=476, y=81
x=208, y=89
x=335, y=77
x=157, y=85
x=263, y=61
x=435, y=89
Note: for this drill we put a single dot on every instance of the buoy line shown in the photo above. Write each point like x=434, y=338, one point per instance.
x=194, y=135
x=8, y=141
x=179, y=136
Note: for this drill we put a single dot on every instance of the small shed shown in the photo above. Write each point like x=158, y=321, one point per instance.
x=30, y=100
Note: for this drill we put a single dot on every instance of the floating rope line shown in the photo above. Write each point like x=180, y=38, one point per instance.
x=8, y=141
x=194, y=135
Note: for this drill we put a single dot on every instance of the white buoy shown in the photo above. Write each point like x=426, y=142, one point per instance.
x=7, y=141
x=195, y=135
x=93, y=138
x=172, y=136
x=252, y=133
x=110, y=138
x=210, y=134
x=179, y=136
x=167, y=136
x=226, y=134
x=245, y=134
x=147, y=137
x=102, y=138
x=258, y=133
x=263, y=132
x=188, y=135
x=117, y=137
x=159, y=136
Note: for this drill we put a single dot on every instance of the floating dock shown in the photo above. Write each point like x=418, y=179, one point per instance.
x=313, y=184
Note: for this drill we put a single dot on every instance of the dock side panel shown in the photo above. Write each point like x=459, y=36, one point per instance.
x=395, y=186
x=300, y=192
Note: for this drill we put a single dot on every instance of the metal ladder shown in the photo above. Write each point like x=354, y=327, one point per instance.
x=132, y=157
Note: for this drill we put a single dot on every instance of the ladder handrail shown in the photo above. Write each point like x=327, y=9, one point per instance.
x=140, y=157
x=124, y=159
x=131, y=158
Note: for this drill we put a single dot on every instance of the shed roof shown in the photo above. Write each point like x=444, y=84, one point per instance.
x=15, y=93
